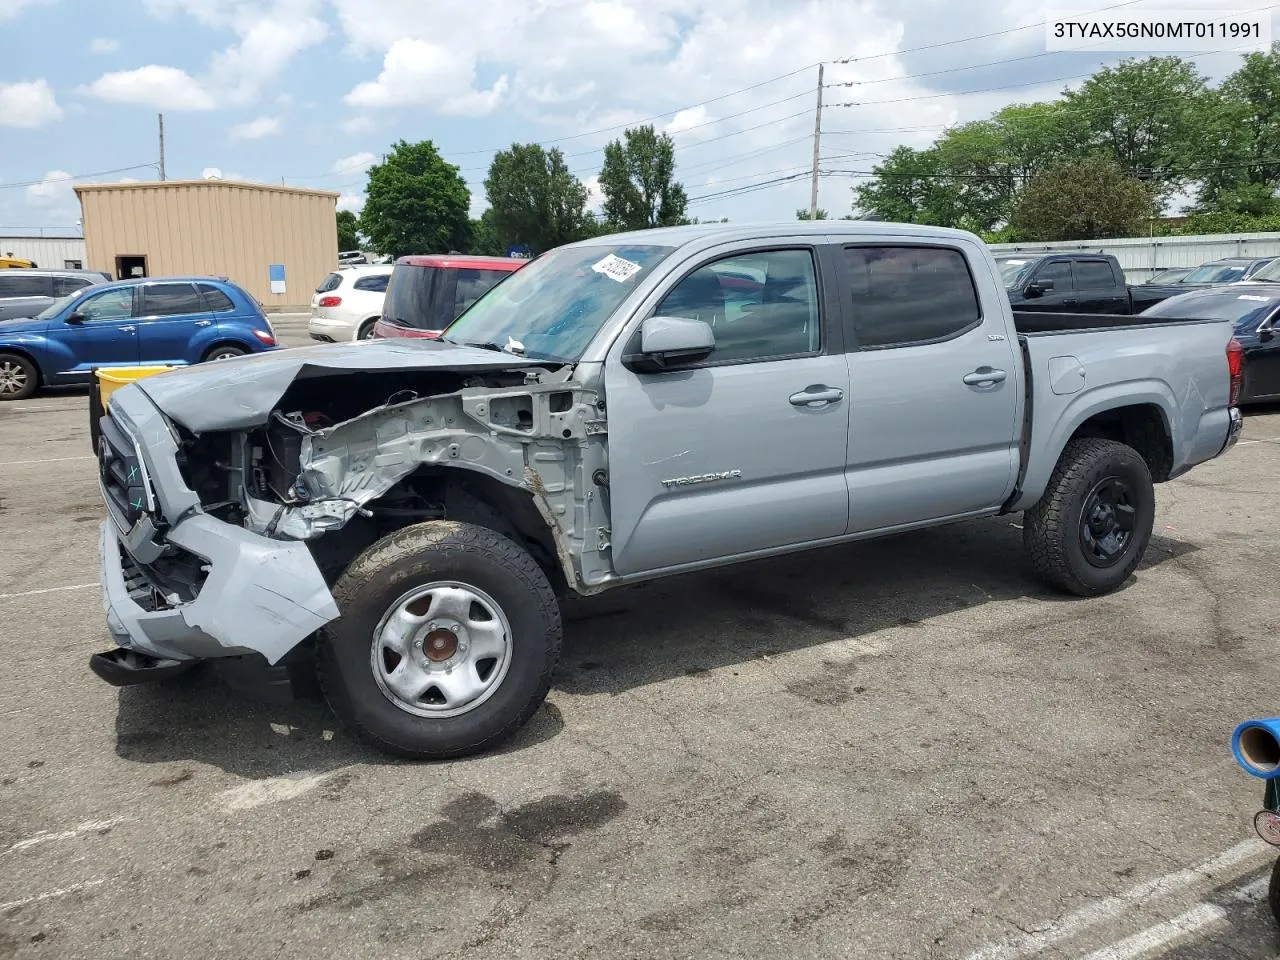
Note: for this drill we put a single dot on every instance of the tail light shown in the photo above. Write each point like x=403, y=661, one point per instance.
x=265, y=336
x=330, y=301
x=1235, y=365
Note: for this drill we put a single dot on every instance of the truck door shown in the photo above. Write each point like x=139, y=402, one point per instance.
x=744, y=450
x=1057, y=290
x=934, y=385
x=1098, y=289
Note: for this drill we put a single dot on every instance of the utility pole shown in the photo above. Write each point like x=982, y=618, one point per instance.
x=162, y=146
x=817, y=137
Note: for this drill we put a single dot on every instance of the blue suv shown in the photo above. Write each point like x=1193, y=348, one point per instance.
x=169, y=321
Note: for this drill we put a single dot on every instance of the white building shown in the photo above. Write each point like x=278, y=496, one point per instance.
x=45, y=251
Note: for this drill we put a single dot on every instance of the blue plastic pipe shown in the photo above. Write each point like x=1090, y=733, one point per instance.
x=1256, y=744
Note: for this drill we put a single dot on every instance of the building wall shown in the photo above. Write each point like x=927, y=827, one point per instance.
x=45, y=251
x=215, y=227
x=1142, y=257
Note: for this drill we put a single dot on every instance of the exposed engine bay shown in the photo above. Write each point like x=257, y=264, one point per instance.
x=367, y=452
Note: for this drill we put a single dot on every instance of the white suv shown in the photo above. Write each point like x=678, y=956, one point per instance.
x=348, y=303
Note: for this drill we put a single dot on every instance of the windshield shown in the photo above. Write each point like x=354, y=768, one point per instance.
x=56, y=307
x=1013, y=270
x=1215, y=273
x=555, y=305
x=1169, y=276
x=1247, y=309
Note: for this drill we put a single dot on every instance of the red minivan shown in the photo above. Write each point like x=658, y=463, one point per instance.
x=426, y=293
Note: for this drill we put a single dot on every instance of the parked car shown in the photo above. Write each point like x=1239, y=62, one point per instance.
x=1171, y=275
x=1071, y=282
x=1267, y=274
x=1254, y=312
x=351, y=258
x=16, y=263
x=427, y=292
x=168, y=321
x=24, y=293
x=348, y=303
x=605, y=416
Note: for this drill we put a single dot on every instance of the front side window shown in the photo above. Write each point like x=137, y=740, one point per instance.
x=1059, y=272
x=760, y=305
x=111, y=305
x=170, y=300
x=910, y=295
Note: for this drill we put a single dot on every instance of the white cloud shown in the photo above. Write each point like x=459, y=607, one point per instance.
x=284, y=100
x=357, y=125
x=686, y=119
x=104, y=45
x=54, y=196
x=354, y=163
x=211, y=173
x=256, y=129
x=164, y=88
x=28, y=103
x=419, y=72
x=11, y=9
x=595, y=196
x=351, y=201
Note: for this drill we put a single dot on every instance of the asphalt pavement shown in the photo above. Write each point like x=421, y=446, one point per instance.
x=906, y=748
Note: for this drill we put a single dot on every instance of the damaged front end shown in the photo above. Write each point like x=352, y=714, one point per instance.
x=321, y=461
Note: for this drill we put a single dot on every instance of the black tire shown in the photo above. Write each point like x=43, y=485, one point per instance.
x=19, y=377
x=1064, y=548
x=415, y=556
x=366, y=329
x=224, y=351
x=1273, y=892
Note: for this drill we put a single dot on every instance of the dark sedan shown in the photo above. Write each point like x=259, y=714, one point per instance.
x=1255, y=310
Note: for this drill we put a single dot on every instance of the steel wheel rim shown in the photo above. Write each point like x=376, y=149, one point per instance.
x=1107, y=522
x=441, y=650
x=13, y=378
x=225, y=355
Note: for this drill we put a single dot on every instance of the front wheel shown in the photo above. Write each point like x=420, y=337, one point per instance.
x=18, y=377
x=366, y=329
x=447, y=640
x=1090, y=529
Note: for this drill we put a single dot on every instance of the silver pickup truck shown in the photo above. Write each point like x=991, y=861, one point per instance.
x=625, y=408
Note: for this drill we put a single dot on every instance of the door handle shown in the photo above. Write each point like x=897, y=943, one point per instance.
x=1068, y=303
x=128, y=329
x=984, y=377
x=204, y=323
x=816, y=396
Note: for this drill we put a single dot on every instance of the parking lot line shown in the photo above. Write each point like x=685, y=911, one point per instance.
x=90, y=826
x=32, y=593
x=1202, y=915
x=74, y=888
x=19, y=463
x=1109, y=908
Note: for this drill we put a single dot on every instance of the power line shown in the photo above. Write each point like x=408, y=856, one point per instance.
x=75, y=176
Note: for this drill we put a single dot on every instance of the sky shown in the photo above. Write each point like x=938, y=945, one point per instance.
x=311, y=92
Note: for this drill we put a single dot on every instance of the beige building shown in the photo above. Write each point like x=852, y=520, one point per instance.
x=276, y=242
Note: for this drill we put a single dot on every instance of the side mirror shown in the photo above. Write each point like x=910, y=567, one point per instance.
x=667, y=342
x=76, y=319
x=1038, y=287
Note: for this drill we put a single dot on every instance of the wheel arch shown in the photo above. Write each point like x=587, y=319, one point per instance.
x=29, y=356
x=224, y=341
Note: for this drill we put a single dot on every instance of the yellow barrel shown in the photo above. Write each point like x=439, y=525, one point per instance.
x=111, y=379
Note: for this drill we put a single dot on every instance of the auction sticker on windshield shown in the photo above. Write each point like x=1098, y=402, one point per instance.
x=616, y=268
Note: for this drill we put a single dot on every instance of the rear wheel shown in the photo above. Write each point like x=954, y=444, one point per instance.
x=1091, y=527
x=448, y=636
x=366, y=329
x=225, y=352
x=18, y=377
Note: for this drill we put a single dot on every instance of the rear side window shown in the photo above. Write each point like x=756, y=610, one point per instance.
x=374, y=284
x=472, y=285
x=25, y=286
x=65, y=285
x=1094, y=274
x=214, y=299
x=332, y=282
x=170, y=300
x=910, y=295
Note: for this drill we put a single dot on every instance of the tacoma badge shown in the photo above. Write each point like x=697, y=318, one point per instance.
x=702, y=478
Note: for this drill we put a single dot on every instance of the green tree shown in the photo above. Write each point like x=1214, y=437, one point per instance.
x=638, y=183
x=416, y=202
x=803, y=214
x=1240, y=140
x=1092, y=199
x=348, y=231
x=534, y=199
x=908, y=186
x=1145, y=115
x=484, y=237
